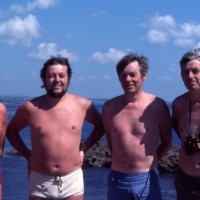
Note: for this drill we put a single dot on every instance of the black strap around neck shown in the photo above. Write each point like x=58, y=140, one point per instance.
x=190, y=110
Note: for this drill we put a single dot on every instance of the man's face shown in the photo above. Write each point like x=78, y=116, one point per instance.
x=190, y=73
x=56, y=80
x=131, y=79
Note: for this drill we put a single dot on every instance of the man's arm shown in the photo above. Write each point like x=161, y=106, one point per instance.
x=174, y=119
x=165, y=132
x=17, y=123
x=106, y=123
x=3, y=125
x=94, y=117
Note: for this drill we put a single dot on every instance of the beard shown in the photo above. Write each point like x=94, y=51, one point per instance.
x=54, y=94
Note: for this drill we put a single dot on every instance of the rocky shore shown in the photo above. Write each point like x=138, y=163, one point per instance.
x=99, y=156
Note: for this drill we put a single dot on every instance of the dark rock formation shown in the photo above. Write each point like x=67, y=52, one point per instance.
x=170, y=162
x=100, y=156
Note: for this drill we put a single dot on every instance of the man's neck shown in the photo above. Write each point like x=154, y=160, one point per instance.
x=53, y=100
x=195, y=97
x=132, y=97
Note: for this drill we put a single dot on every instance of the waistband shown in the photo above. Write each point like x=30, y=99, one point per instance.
x=58, y=178
x=118, y=173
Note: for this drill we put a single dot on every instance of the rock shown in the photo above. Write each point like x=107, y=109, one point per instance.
x=99, y=156
x=170, y=162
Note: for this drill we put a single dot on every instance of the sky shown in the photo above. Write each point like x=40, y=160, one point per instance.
x=95, y=35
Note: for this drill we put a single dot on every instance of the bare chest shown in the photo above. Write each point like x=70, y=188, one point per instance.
x=189, y=123
x=136, y=122
x=56, y=121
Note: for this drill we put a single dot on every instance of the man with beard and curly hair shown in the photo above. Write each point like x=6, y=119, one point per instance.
x=55, y=121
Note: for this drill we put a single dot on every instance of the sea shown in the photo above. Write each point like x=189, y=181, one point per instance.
x=14, y=168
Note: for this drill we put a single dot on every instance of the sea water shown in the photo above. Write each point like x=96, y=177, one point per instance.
x=14, y=168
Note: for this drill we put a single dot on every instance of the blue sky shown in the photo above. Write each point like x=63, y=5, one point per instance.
x=94, y=35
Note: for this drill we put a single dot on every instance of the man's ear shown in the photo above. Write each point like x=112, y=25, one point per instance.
x=144, y=76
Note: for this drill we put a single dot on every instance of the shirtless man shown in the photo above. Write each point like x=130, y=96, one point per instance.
x=55, y=121
x=186, y=122
x=3, y=125
x=138, y=129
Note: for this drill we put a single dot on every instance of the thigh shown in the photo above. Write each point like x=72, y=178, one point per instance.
x=77, y=197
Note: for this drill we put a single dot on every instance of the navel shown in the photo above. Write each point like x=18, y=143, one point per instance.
x=130, y=166
x=56, y=166
x=39, y=128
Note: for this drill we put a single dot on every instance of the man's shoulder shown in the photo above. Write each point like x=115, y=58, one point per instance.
x=2, y=106
x=112, y=101
x=78, y=100
x=3, y=109
x=152, y=98
x=181, y=99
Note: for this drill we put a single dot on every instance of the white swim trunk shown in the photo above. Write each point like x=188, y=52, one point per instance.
x=56, y=187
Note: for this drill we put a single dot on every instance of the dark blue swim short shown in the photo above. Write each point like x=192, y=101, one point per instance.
x=143, y=186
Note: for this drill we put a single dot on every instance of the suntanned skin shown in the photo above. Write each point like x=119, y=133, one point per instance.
x=190, y=72
x=137, y=125
x=55, y=126
x=3, y=125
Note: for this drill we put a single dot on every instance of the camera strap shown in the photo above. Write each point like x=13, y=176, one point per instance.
x=189, y=114
x=189, y=118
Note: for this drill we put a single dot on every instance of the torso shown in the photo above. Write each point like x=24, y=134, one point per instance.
x=134, y=134
x=190, y=164
x=56, y=134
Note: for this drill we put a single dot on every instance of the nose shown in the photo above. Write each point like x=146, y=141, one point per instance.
x=56, y=77
x=190, y=74
x=127, y=78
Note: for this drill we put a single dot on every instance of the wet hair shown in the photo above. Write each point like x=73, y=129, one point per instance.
x=53, y=61
x=193, y=54
x=131, y=57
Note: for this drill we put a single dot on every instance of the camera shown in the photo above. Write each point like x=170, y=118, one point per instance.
x=192, y=145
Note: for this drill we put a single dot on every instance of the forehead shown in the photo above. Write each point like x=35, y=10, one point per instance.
x=57, y=68
x=191, y=64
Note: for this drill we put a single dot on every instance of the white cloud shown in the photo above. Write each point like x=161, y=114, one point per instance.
x=107, y=76
x=19, y=31
x=45, y=50
x=162, y=21
x=110, y=56
x=190, y=30
x=184, y=42
x=175, y=69
x=156, y=36
x=164, y=78
x=163, y=29
x=37, y=4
